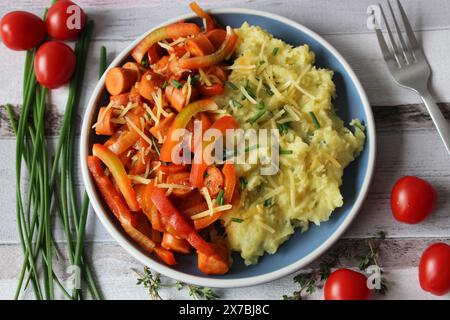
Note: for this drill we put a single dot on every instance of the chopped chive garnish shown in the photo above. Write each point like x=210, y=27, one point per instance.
x=249, y=90
x=262, y=62
x=283, y=128
x=220, y=197
x=257, y=116
x=144, y=62
x=177, y=84
x=261, y=105
x=314, y=119
x=164, y=84
x=243, y=182
x=267, y=89
x=155, y=144
x=268, y=202
x=231, y=85
x=195, y=79
x=286, y=151
x=237, y=220
x=275, y=51
x=236, y=103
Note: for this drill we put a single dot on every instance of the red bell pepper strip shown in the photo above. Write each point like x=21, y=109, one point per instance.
x=177, y=224
x=218, y=263
x=172, y=31
x=217, y=57
x=170, y=242
x=114, y=201
x=229, y=174
x=181, y=121
x=165, y=255
x=199, y=166
x=117, y=170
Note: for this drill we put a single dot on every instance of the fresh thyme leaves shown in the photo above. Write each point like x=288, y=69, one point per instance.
x=309, y=282
x=153, y=283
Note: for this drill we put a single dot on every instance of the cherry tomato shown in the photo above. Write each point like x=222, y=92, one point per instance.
x=412, y=199
x=210, y=91
x=54, y=64
x=346, y=284
x=22, y=30
x=434, y=269
x=65, y=20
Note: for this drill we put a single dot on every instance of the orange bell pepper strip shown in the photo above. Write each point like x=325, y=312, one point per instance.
x=117, y=170
x=181, y=121
x=217, y=263
x=199, y=166
x=104, y=125
x=177, y=224
x=210, y=23
x=230, y=179
x=114, y=201
x=175, y=30
x=217, y=57
x=170, y=242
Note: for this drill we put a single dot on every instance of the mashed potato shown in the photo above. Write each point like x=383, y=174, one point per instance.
x=297, y=99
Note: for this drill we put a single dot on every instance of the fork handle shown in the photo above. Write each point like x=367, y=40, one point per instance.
x=439, y=120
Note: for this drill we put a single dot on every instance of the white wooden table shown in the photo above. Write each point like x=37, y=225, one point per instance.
x=408, y=144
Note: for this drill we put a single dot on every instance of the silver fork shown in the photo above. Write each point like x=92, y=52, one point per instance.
x=409, y=67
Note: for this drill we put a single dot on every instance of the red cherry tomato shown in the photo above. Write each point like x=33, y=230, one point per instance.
x=65, y=20
x=211, y=91
x=434, y=269
x=412, y=199
x=22, y=30
x=54, y=64
x=346, y=284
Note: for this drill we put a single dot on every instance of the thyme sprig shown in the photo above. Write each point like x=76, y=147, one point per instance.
x=152, y=282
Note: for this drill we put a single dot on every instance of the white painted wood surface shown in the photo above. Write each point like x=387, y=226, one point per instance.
x=407, y=141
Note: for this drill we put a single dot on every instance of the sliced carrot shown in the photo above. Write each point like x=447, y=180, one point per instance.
x=120, y=80
x=199, y=45
x=170, y=242
x=213, y=181
x=216, y=37
x=230, y=179
x=126, y=138
x=104, y=124
x=181, y=178
x=121, y=99
x=150, y=82
x=136, y=68
x=165, y=255
x=217, y=263
x=134, y=95
x=176, y=97
x=163, y=126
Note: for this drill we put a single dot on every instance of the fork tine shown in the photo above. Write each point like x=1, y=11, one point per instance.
x=409, y=31
x=399, y=32
x=387, y=55
x=391, y=37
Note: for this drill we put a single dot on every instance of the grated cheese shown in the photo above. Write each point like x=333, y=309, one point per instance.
x=292, y=112
x=206, y=213
x=165, y=46
x=240, y=67
x=204, y=77
x=150, y=112
x=292, y=189
x=109, y=106
x=139, y=179
x=249, y=98
x=306, y=93
x=267, y=227
x=174, y=186
x=127, y=108
x=208, y=200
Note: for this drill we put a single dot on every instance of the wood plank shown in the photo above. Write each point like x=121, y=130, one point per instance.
x=410, y=152
x=113, y=269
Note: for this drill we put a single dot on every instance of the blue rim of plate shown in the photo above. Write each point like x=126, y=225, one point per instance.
x=302, y=248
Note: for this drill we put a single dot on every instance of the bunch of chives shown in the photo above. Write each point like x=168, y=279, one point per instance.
x=34, y=212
